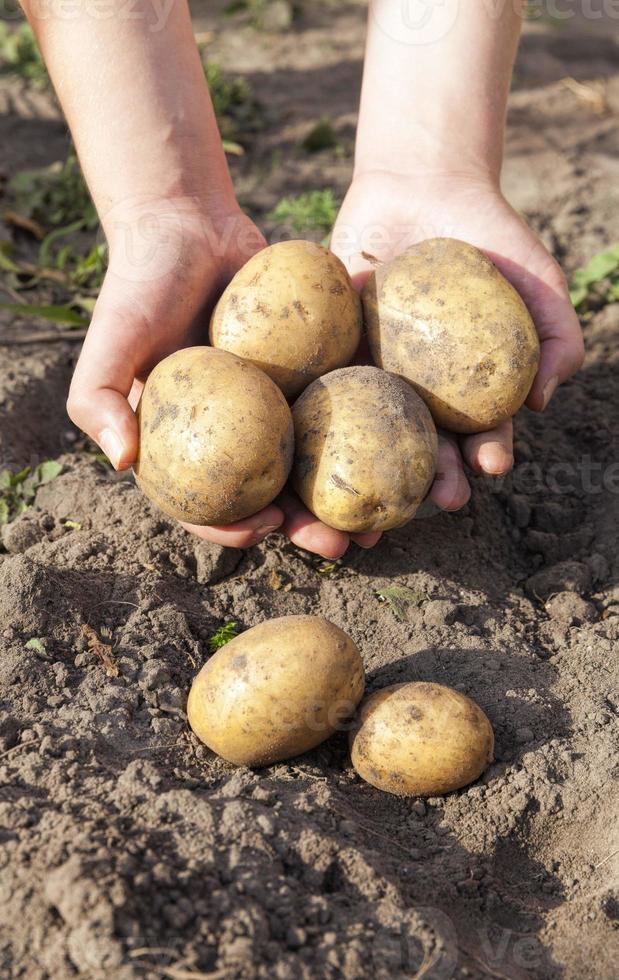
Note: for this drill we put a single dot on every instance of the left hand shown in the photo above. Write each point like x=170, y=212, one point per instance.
x=385, y=213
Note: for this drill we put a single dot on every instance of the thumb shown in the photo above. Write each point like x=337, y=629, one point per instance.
x=103, y=378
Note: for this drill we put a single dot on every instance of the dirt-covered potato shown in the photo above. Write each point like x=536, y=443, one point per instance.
x=277, y=690
x=365, y=449
x=442, y=316
x=216, y=437
x=420, y=739
x=293, y=311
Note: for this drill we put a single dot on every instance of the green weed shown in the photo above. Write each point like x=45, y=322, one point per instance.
x=17, y=490
x=55, y=196
x=20, y=55
x=322, y=136
x=399, y=597
x=222, y=636
x=312, y=211
x=599, y=278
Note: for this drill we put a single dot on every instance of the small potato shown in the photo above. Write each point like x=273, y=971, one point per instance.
x=420, y=739
x=291, y=310
x=277, y=690
x=365, y=449
x=442, y=316
x=216, y=437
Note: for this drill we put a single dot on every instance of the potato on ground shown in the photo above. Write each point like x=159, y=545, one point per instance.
x=365, y=449
x=420, y=739
x=216, y=437
x=291, y=310
x=277, y=690
x=442, y=316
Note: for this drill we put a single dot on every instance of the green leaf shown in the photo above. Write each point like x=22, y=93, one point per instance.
x=399, y=598
x=36, y=644
x=47, y=471
x=57, y=314
x=6, y=262
x=4, y=511
x=17, y=478
x=74, y=525
x=320, y=137
x=45, y=248
x=599, y=268
x=222, y=636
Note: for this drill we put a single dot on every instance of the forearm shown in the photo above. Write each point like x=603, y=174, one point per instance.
x=435, y=91
x=136, y=101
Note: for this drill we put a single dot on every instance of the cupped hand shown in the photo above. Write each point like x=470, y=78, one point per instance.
x=168, y=264
x=383, y=213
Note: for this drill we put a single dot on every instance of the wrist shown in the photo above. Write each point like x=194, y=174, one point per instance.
x=438, y=175
x=150, y=237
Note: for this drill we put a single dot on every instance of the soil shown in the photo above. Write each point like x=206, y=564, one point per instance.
x=127, y=849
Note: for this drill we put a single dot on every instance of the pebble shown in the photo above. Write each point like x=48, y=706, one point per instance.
x=572, y=576
x=440, y=612
x=570, y=608
x=419, y=808
x=21, y=535
x=296, y=937
x=524, y=734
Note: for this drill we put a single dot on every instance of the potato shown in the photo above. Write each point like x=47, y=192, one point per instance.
x=277, y=690
x=291, y=310
x=442, y=316
x=216, y=437
x=420, y=739
x=365, y=449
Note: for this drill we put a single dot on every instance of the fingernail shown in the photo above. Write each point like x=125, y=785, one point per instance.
x=111, y=446
x=549, y=389
x=494, y=459
x=263, y=530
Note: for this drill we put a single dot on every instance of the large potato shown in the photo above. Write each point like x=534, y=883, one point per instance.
x=442, y=316
x=365, y=449
x=293, y=311
x=277, y=690
x=420, y=739
x=216, y=437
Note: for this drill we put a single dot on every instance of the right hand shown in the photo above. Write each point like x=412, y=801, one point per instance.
x=168, y=264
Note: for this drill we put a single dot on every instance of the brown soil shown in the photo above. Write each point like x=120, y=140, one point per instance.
x=126, y=848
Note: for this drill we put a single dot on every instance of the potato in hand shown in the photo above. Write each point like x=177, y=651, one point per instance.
x=365, y=449
x=291, y=310
x=216, y=437
x=442, y=316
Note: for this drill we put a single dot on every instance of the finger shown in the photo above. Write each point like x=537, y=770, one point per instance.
x=450, y=489
x=244, y=533
x=560, y=357
x=306, y=531
x=367, y=539
x=490, y=452
x=562, y=347
x=102, y=380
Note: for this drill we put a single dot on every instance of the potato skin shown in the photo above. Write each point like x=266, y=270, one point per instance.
x=277, y=690
x=420, y=739
x=216, y=437
x=291, y=310
x=365, y=449
x=442, y=316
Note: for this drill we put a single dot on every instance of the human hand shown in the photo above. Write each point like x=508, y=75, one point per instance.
x=383, y=213
x=168, y=265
